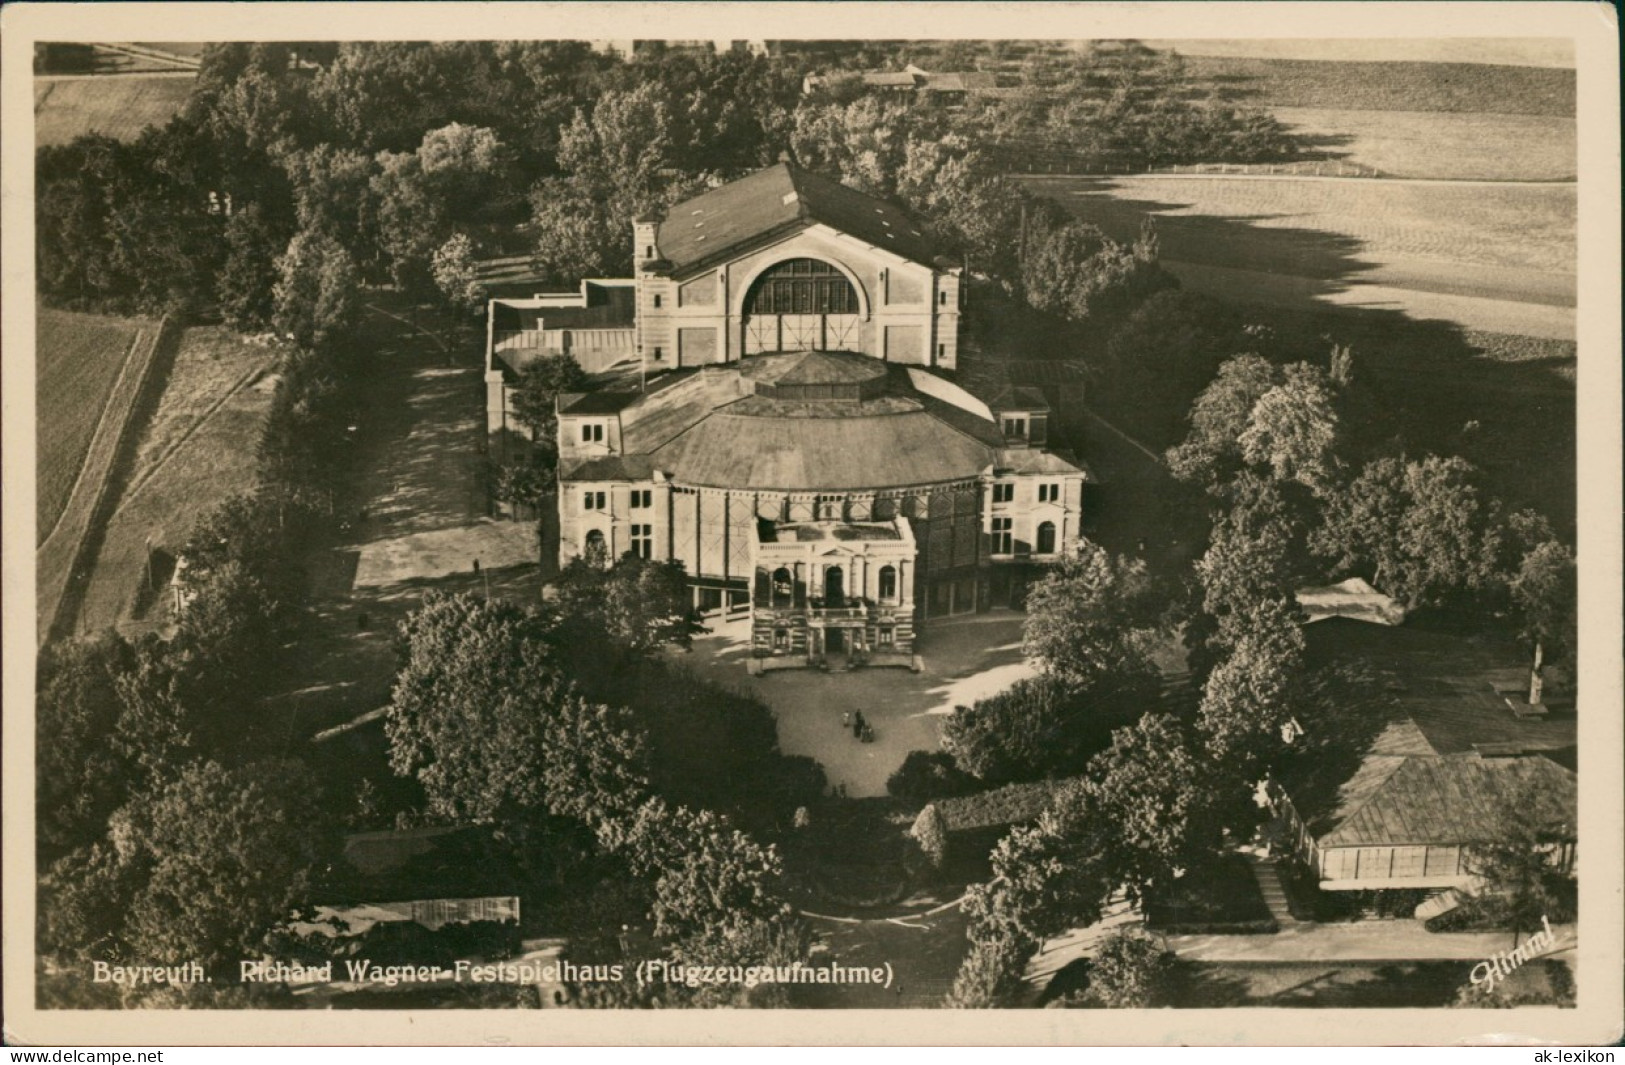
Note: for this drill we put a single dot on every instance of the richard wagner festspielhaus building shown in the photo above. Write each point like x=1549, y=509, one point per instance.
x=784, y=421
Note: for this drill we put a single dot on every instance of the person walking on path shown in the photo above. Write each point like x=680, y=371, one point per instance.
x=858, y=726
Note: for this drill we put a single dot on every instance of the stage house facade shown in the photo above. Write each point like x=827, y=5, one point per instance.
x=793, y=434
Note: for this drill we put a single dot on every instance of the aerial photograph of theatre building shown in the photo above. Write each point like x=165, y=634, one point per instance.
x=1078, y=523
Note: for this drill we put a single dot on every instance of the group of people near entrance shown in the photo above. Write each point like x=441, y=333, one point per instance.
x=860, y=728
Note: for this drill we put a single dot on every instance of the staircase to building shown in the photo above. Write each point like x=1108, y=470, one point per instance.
x=1268, y=874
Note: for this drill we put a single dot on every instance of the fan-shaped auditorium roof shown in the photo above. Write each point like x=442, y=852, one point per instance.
x=807, y=421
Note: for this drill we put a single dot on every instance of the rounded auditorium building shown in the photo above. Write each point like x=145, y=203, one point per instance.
x=791, y=429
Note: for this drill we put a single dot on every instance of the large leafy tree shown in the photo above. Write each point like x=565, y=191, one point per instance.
x=316, y=295
x=536, y=397
x=1211, y=451
x=1256, y=689
x=1546, y=592
x=1292, y=429
x=1418, y=530
x=639, y=605
x=1042, y=726
x=1166, y=352
x=1158, y=798
x=1515, y=863
x=618, y=151
x=1073, y=269
x=469, y=712
x=1093, y=617
x=81, y=774
x=247, y=279
x=227, y=853
x=707, y=874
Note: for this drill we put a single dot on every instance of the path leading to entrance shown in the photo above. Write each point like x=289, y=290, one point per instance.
x=965, y=659
x=416, y=522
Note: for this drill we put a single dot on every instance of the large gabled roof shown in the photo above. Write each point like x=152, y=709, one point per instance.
x=1447, y=799
x=776, y=202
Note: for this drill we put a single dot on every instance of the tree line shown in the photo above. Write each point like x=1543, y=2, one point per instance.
x=174, y=822
x=1154, y=799
x=415, y=158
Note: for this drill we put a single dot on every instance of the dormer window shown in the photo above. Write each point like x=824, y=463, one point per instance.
x=1015, y=426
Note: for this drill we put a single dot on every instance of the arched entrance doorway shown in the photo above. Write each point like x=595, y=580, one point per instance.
x=834, y=593
x=801, y=305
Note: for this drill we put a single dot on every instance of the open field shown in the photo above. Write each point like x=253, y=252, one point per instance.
x=118, y=106
x=199, y=449
x=1507, y=51
x=1488, y=257
x=77, y=359
x=1388, y=86
x=1436, y=144
x=123, y=403
x=1328, y=227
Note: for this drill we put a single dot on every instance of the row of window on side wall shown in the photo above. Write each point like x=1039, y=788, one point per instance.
x=1004, y=537
x=641, y=499
x=1048, y=492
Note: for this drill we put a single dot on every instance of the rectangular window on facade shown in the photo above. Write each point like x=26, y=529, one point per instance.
x=1015, y=427
x=942, y=299
x=1004, y=493
x=1049, y=493
x=657, y=301
x=883, y=636
x=592, y=433
x=643, y=541
x=592, y=501
x=642, y=498
x=659, y=354
x=1003, y=540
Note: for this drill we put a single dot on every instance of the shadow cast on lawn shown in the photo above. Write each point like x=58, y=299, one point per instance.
x=1420, y=385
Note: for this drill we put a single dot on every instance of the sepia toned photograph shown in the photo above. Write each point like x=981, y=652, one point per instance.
x=860, y=519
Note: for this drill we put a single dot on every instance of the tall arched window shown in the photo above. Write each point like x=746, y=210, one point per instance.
x=594, y=550
x=834, y=585
x=783, y=586
x=1046, y=538
x=888, y=583
x=802, y=286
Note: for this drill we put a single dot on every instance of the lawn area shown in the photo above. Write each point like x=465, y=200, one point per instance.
x=77, y=362
x=1442, y=145
x=201, y=448
x=1389, y=86
x=1333, y=229
x=1222, y=898
x=119, y=107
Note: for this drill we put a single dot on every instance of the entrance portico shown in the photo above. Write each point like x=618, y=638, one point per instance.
x=828, y=589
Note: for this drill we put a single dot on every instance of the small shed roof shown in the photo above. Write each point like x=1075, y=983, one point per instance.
x=1353, y=598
